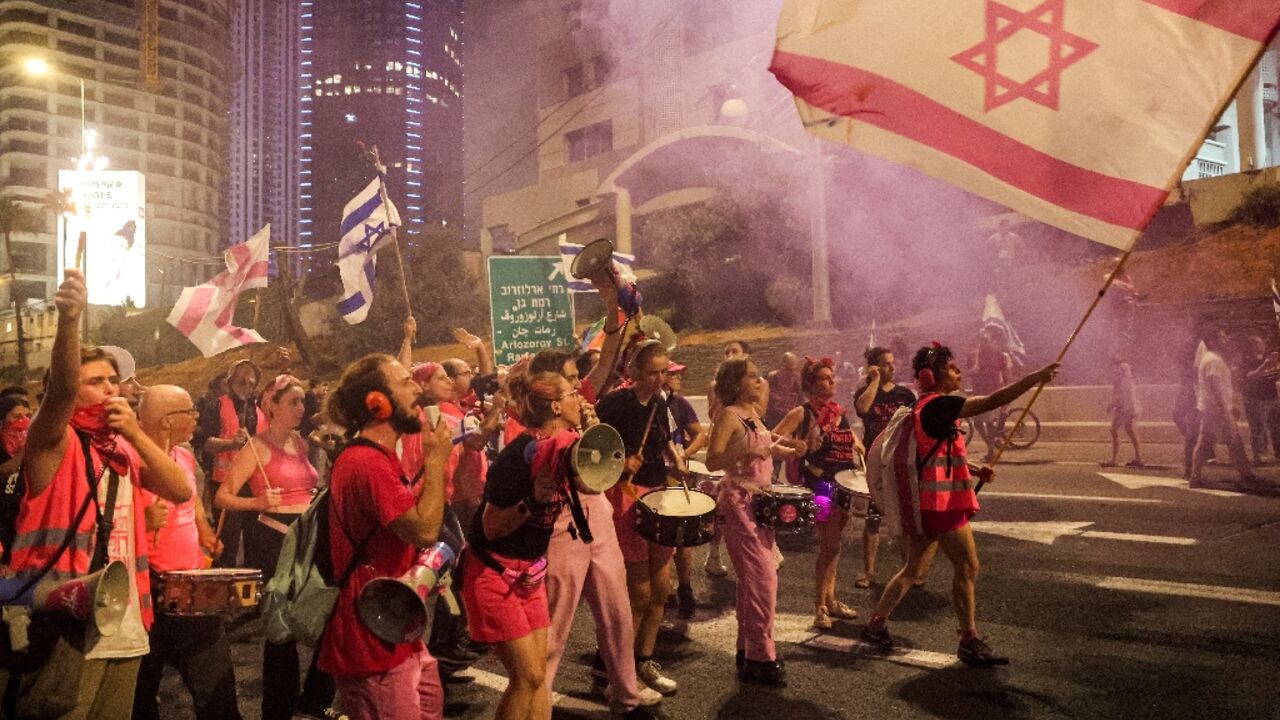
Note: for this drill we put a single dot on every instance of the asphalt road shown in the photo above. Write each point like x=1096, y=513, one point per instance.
x=1119, y=596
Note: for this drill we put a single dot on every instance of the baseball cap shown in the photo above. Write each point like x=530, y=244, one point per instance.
x=124, y=361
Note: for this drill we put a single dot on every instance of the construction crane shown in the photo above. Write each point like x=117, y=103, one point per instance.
x=150, y=45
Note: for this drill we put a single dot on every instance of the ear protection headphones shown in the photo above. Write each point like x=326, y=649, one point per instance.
x=926, y=374
x=378, y=404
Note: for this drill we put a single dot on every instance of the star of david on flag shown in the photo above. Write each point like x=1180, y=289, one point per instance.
x=366, y=227
x=622, y=262
x=1081, y=114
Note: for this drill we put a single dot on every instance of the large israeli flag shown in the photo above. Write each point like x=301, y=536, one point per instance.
x=366, y=226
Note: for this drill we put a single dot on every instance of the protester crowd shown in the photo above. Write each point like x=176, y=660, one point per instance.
x=406, y=463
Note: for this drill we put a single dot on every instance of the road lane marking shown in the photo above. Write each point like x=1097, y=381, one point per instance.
x=1046, y=533
x=1138, y=482
x=1080, y=498
x=1208, y=592
x=1135, y=537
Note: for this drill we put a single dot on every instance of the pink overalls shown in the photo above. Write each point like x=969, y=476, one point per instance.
x=597, y=572
x=750, y=548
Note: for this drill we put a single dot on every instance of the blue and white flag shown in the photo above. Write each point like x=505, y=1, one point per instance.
x=623, y=262
x=365, y=229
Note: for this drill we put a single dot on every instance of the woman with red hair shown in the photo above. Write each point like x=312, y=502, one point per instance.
x=831, y=447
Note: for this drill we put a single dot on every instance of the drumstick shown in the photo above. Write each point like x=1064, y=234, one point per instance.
x=217, y=532
x=643, y=438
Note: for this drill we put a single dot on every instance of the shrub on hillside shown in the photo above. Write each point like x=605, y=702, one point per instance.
x=1260, y=207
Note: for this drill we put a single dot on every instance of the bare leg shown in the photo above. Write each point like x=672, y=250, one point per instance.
x=920, y=552
x=649, y=584
x=1115, y=441
x=959, y=547
x=1133, y=438
x=684, y=565
x=525, y=660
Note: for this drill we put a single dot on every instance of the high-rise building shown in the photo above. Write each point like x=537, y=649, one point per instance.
x=264, y=120
x=385, y=73
x=156, y=88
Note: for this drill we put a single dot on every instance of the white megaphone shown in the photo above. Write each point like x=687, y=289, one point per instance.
x=596, y=460
x=395, y=609
x=101, y=597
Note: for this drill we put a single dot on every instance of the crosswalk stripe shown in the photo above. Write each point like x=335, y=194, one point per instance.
x=1208, y=592
x=1080, y=498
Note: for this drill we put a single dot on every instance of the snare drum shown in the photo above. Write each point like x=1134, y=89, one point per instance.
x=852, y=494
x=222, y=591
x=703, y=479
x=788, y=509
x=668, y=517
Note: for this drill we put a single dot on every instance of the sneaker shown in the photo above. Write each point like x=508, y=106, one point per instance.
x=647, y=697
x=878, y=639
x=685, y=602
x=714, y=567
x=649, y=672
x=740, y=659
x=777, y=556
x=761, y=672
x=979, y=654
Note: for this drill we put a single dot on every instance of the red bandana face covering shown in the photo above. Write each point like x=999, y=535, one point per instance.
x=92, y=420
x=14, y=435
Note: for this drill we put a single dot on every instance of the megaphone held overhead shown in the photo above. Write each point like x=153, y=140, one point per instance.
x=596, y=459
x=395, y=609
x=597, y=256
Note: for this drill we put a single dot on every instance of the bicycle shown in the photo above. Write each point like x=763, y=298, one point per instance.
x=1026, y=436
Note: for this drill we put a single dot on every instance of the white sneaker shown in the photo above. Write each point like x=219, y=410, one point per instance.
x=650, y=673
x=777, y=555
x=647, y=697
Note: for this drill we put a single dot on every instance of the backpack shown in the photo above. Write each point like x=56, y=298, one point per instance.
x=893, y=473
x=298, y=600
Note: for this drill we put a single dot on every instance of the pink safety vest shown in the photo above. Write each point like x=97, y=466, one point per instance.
x=945, y=481
x=44, y=520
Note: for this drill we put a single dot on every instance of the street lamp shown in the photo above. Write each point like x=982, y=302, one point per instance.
x=38, y=66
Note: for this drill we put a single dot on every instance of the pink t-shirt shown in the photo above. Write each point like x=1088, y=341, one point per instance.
x=177, y=545
x=289, y=470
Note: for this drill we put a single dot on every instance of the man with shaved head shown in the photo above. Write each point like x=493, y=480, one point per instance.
x=196, y=646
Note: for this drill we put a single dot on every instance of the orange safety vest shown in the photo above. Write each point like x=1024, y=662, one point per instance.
x=229, y=425
x=44, y=520
x=945, y=481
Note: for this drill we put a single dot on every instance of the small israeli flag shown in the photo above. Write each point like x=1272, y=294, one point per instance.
x=621, y=261
x=366, y=226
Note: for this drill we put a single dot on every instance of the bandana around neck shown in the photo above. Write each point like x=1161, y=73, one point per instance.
x=828, y=412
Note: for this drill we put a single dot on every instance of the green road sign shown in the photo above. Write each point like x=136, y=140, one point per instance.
x=530, y=306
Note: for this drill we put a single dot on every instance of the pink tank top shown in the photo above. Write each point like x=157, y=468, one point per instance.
x=176, y=546
x=755, y=473
x=291, y=472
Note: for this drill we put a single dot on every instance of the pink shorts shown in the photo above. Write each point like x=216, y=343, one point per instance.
x=497, y=612
x=941, y=522
x=634, y=547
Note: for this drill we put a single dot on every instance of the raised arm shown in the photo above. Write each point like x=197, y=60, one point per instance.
x=862, y=404
x=484, y=360
x=599, y=376
x=47, y=438
x=420, y=525
x=986, y=403
x=406, y=345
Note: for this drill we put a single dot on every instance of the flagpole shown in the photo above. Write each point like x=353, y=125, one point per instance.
x=395, y=236
x=1004, y=442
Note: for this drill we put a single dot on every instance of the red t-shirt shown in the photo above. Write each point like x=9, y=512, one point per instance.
x=367, y=491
